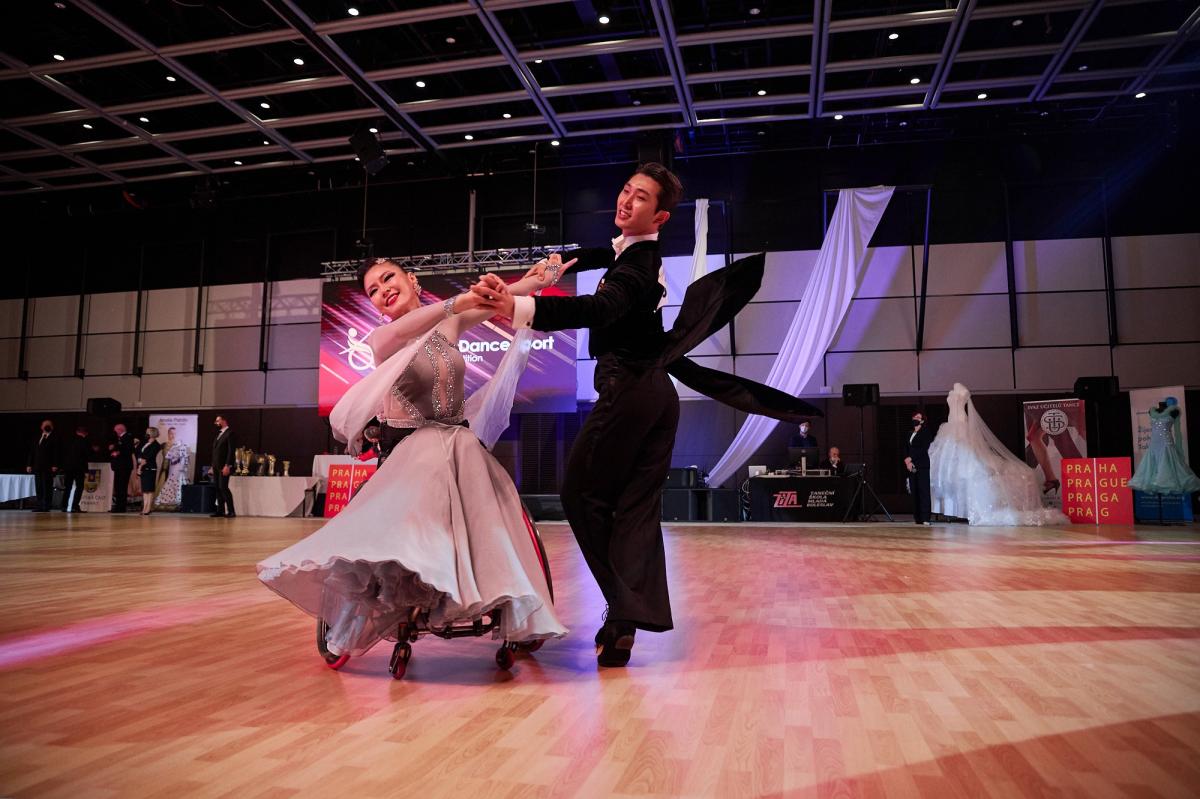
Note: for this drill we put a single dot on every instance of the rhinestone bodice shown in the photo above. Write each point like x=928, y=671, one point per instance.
x=430, y=389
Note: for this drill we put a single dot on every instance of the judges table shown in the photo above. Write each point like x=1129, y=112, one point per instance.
x=321, y=464
x=272, y=496
x=16, y=486
x=792, y=498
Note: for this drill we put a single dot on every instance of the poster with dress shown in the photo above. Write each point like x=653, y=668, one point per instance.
x=178, y=434
x=1054, y=429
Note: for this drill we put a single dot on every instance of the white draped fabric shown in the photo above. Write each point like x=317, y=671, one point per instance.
x=700, y=252
x=823, y=306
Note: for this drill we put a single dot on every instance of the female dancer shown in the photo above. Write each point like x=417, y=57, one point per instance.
x=439, y=529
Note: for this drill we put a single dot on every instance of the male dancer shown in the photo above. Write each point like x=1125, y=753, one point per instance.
x=612, y=491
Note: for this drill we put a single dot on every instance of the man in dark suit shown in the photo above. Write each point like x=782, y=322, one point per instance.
x=803, y=438
x=121, y=454
x=43, y=464
x=223, y=461
x=834, y=463
x=76, y=454
x=916, y=460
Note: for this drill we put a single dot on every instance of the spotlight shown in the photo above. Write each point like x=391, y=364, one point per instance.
x=87, y=126
x=762, y=92
x=537, y=60
x=506, y=115
x=914, y=81
x=264, y=105
x=237, y=163
x=981, y=96
x=1139, y=95
x=604, y=20
x=58, y=57
x=469, y=137
x=893, y=36
x=298, y=62
x=420, y=84
x=373, y=130
x=838, y=116
x=368, y=150
x=143, y=119
x=554, y=142
x=170, y=79
x=352, y=11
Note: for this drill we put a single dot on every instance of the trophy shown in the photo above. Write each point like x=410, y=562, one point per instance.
x=271, y=465
x=286, y=465
x=239, y=456
x=261, y=462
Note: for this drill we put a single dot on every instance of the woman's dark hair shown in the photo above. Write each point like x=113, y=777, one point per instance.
x=367, y=263
x=670, y=190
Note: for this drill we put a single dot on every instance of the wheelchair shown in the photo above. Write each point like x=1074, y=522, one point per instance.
x=418, y=625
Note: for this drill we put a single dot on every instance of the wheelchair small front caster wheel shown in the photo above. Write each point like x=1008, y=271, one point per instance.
x=398, y=665
x=504, y=658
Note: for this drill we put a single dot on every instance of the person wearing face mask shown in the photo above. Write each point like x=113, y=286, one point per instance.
x=803, y=438
x=916, y=461
x=834, y=463
x=43, y=465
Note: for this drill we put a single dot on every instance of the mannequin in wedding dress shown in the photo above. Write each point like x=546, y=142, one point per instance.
x=974, y=476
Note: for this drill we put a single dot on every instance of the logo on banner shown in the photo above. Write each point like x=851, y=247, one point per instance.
x=787, y=499
x=91, y=480
x=1054, y=422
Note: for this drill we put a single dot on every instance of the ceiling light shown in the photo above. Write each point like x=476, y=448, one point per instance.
x=170, y=79
x=143, y=119
x=903, y=124
x=58, y=57
x=237, y=163
x=754, y=12
x=469, y=137
x=352, y=11
x=264, y=104
x=356, y=158
x=914, y=81
x=373, y=130
x=637, y=102
x=1018, y=22
x=1083, y=67
x=451, y=40
x=762, y=92
x=981, y=96
x=604, y=20
x=1139, y=95
x=837, y=116
x=298, y=62
x=420, y=84
x=1044, y=114
x=87, y=126
x=506, y=115
x=893, y=36
x=554, y=142
x=266, y=142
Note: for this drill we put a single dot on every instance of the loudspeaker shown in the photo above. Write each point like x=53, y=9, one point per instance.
x=722, y=505
x=682, y=477
x=1097, y=388
x=860, y=395
x=103, y=406
x=680, y=505
x=369, y=151
x=198, y=498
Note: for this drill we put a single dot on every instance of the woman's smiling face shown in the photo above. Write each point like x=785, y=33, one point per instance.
x=391, y=290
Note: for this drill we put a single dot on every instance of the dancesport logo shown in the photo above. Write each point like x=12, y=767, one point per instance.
x=786, y=499
x=472, y=351
x=1054, y=422
x=358, y=352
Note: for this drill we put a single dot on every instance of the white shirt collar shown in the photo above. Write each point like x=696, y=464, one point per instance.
x=621, y=242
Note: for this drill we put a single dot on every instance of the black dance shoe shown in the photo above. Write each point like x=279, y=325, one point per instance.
x=614, y=643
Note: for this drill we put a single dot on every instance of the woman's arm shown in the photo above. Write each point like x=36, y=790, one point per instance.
x=533, y=281
x=386, y=340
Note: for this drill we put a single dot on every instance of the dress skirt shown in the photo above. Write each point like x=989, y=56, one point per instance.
x=438, y=527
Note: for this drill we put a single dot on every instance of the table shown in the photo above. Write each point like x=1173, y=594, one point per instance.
x=16, y=486
x=321, y=464
x=272, y=496
x=789, y=498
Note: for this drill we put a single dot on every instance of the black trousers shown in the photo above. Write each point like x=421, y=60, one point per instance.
x=612, y=492
x=224, y=495
x=43, y=485
x=922, y=504
x=121, y=488
x=73, y=477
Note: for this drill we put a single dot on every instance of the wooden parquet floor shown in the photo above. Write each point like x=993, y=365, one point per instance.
x=141, y=658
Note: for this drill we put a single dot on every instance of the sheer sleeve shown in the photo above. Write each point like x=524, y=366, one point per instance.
x=386, y=340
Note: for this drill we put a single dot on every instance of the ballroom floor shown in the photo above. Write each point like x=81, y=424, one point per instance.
x=140, y=657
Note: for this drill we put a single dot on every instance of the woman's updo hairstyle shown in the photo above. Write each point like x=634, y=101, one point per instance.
x=367, y=263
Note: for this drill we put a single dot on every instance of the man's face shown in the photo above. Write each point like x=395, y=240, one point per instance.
x=637, y=207
x=804, y=428
x=119, y=430
x=835, y=454
x=918, y=420
x=219, y=421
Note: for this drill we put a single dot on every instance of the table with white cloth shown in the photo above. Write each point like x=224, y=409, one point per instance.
x=321, y=464
x=272, y=496
x=16, y=486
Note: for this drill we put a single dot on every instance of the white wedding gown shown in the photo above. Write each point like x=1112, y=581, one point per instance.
x=973, y=476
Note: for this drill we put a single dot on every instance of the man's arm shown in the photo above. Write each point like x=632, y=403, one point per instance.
x=230, y=460
x=623, y=288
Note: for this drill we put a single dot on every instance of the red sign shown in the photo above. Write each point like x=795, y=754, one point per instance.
x=1096, y=490
x=343, y=483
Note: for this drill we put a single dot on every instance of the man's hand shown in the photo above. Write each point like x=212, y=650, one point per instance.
x=225, y=470
x=494, y=295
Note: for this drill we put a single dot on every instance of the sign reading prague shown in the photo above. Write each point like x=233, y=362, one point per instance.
x=1096, y=490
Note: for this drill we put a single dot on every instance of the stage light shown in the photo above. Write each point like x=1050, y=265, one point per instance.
x=352, y=11
x=838, y=116
x=604, y=20
x=1139, y=95
x=903, y=124
x=58, y=57
x=265, y=141
x=637, y=102
x=914, y=81
x=143, y=119
x=469, y=137
x=506, y=115
x=762, y=92
x=237, y=163
x=1083, y=67
x=754, y=12
x=373, y=130
x=1018, y=22
x=87, y=126
x=537, y=60
x=420, y=84
x=893, y=36
x=554, y=142
x=298, y=62
x=981, y=96
x=264, y=105
x=170, y=79
x=451, y=40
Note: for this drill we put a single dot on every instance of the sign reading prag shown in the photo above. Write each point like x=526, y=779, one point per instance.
x=343, y=483
x=1096, y=490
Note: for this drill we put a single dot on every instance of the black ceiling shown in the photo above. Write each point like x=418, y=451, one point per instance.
x=107, y=92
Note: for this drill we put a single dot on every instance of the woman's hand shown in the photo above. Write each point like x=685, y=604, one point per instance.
x=494, y=295
x=469, y=301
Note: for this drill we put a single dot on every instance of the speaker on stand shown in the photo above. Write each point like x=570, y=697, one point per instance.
x=1095, y=392
x=862, y=395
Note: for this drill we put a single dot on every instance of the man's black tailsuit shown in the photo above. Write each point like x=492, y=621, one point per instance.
x=223, y=454
x=917, y=448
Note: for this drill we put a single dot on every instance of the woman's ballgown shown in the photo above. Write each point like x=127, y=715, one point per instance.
x=1163, y=469
x=438, y=527
x=973, y=476
x=174, y=475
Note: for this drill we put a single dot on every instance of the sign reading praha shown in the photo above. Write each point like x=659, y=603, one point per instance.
x=1096, y=490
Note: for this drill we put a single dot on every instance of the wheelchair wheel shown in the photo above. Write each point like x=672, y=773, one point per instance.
x=333, y=661
x=539, y=547
x=398, y=665
x=504, y=657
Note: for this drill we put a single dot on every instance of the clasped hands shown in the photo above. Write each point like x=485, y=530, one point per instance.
x=492, y=293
